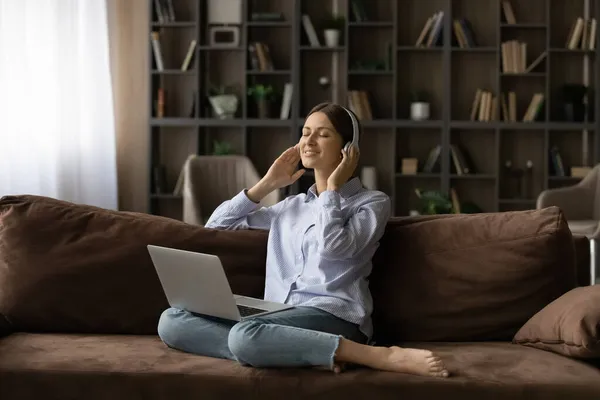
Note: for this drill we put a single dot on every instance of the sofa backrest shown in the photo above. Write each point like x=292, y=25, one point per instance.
x=469, y=277
x=77, y=268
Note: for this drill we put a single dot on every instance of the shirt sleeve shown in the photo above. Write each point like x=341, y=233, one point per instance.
x=242, y=213
x=339, y=239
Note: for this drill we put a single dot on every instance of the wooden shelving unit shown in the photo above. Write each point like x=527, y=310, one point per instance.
x=448, y=74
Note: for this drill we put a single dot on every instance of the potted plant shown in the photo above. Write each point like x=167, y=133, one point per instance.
x=221, y=148
x=224, y=102
x=432, y=202
x=419, y=106
x=262, y=95
x=333, y=26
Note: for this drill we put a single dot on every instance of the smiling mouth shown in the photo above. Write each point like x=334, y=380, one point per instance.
x=310, y=153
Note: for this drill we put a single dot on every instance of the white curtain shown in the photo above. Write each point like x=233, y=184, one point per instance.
x=57, y=134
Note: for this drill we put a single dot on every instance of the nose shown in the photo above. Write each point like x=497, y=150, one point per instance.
x=311, y=140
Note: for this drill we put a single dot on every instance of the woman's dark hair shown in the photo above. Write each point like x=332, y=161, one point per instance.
x=338, y=117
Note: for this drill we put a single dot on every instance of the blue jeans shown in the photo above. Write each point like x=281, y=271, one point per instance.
x=296, y=337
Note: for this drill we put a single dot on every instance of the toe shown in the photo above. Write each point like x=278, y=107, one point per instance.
x=433, y=361
x=440, y=374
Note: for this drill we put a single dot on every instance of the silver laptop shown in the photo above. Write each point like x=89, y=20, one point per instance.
x=196, y=282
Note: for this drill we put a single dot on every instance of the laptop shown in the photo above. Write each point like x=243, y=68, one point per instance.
x=196, y=282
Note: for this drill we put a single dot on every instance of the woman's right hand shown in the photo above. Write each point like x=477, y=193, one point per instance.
x=282, y=173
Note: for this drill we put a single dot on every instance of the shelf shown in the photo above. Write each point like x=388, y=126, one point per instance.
x=558, y=125
x=407, y=123
x=371, y=24
x=322, y=48
x=269, y=24
x=171, y=121
x=473, y=176
x=521, y=125
x=419, y=175
x=480, y=49
x=560, y=50
x=273, y=72
x=524, y=26
x=448, y=74
x=182, y=24
x=166, y=196
x=419, y=49
x=221, y=48
x=268, y=123
x=371, y=72
x=524, y=74
x=173, y=72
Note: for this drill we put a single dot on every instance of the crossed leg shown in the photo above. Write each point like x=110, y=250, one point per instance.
x=302, y=336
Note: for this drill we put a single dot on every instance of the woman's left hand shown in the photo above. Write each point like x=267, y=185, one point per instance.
x=344, y=170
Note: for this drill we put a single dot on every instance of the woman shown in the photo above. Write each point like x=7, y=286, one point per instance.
x=319, y=255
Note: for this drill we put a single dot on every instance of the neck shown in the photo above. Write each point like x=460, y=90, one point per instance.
x=321, y=176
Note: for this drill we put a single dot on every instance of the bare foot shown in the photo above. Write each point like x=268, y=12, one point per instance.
x=410, y=361
x=394, y=359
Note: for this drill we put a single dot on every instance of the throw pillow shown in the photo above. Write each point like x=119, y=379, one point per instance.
x=570, y=325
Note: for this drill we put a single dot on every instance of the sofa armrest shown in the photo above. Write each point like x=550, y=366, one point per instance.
x=576, y=202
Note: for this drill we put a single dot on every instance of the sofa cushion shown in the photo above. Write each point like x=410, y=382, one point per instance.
x=469, y=277
x=94, y=367
x=570, y=325
x=77, y=268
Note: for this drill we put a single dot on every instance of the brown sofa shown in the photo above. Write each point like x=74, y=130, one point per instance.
x=496, y=295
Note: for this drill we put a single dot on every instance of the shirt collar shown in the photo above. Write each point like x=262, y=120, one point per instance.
x=348, y=189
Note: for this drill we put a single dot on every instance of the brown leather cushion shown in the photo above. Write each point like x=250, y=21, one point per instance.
x=119, y=367
x=469, y=277
x=76, y=268
x=570, y=325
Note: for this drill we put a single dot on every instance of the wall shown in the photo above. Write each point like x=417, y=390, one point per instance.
x=129, y=33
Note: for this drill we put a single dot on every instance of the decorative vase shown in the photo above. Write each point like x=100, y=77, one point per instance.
x=263, y=108
x=332, y=37
x=419, y=111
x=224, y=105
x=368, y=177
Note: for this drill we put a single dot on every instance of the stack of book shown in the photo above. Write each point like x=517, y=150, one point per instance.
x=431, y=34
x=358, y=101
x=582, y=34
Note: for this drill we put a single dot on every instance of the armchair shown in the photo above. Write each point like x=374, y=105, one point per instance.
x=210, y=180
x=581, y=206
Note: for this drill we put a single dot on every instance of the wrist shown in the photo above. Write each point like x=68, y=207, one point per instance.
x=333, y=188
x=257, y=192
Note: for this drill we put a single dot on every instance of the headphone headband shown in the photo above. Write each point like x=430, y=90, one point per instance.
x=355, y=130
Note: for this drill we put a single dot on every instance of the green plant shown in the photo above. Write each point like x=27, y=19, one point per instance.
x=261, y=92
x=218, y=90
x=334, y=21
x=221, y=148
x=433, y=202
x=418, y=96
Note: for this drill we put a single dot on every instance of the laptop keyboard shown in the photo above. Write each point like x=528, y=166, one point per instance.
x=246, y=311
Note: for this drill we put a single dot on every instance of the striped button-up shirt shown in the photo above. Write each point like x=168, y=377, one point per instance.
x=319, y=248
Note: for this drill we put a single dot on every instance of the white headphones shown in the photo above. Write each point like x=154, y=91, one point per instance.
x=355, y=131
